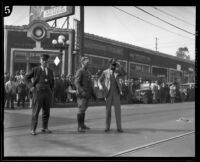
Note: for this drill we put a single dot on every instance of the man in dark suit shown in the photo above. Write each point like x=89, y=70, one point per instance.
x=85, y=91
x=43, y=85
x=109, y=82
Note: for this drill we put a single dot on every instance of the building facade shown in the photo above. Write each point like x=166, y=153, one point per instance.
x=22, y=52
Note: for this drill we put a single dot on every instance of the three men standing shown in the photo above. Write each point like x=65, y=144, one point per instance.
x=43, y=85
x=109, y=82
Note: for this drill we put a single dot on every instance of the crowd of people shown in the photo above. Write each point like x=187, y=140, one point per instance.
x=17, y=91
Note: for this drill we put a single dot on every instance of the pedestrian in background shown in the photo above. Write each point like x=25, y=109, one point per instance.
x=172, y=92
x=43, y=85
x=109, y=82
x=83, y=83
x=21, y=90
x=10, y=89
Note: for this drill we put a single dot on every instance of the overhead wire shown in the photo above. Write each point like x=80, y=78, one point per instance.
x=173, y=16
x=122, y=23
x=164, y=20
x=152, y=23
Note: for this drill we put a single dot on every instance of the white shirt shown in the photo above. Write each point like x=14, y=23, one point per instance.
x=46, y=71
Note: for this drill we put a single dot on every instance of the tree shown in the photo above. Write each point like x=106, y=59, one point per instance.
x=182, y=53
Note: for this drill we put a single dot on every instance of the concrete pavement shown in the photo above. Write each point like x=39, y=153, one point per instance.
x=142, y=124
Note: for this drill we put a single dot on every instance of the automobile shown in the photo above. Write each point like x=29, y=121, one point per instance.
x=144, y=95
x=187, y=85
x=183, y=90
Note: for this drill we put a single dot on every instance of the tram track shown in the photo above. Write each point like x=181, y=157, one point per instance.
x=150, y=145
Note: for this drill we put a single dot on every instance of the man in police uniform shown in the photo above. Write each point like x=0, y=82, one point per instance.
x=43, y=85
x=109, y=83
x=84, y=90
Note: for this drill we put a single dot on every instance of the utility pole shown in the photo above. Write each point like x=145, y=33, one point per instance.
x=156, y=44
x=81, y=40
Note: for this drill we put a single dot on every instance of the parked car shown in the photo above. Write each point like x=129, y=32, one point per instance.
x=144, y=95
x=187, y=85
x=184, y=91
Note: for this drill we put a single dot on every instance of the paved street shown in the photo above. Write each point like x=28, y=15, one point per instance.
x=166, y=130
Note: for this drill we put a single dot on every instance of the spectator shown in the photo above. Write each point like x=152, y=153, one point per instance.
x=172, y=92
x=62, y=91
x=10, y=89
x=162, y=93
x=155, y=92
x=21, y=90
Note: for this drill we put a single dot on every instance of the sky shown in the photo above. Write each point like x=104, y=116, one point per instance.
x=172, y=26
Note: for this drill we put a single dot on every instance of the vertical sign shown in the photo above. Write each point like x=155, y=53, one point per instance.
x=77, y=34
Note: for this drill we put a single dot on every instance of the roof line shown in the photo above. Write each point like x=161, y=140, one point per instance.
x=115, y=42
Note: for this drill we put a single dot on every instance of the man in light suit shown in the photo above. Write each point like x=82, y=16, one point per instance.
x=109, y=82
x=43, y=84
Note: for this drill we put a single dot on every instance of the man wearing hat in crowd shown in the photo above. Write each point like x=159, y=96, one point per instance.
x=85, y=91
x=43, y=85
x=109, y=82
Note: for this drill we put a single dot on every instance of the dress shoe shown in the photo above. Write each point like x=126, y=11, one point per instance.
x=107, y=130
x=80, y=129
x=120, y=130
x=33, y=132
x=45, y=131
x=86, y=127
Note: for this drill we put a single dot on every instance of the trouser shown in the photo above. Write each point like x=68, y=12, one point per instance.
x=113, y=98
x=9, y=99
x=21, y=98
x=82, y=107
x=41, y=99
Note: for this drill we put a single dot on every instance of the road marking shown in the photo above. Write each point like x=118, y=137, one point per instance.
x=150, y=144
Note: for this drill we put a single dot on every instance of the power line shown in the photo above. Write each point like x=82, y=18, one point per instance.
x=123, y=24
x=164, y=21
x=173, y=16
x=185, y=44
x=152, y=23
x=166, y=43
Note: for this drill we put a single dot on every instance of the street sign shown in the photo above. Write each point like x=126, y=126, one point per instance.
x=48, y=13
x=56, y=60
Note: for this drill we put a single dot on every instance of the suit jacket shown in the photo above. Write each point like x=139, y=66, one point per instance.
x=36, y=73
x=104, y=81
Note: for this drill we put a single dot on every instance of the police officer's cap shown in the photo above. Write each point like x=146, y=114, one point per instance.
x=84, y=58
x=44, y=57
x=113, y=61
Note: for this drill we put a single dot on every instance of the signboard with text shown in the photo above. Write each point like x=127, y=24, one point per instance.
x=48, y=13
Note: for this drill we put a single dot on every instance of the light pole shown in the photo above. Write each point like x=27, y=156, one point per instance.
x=61, y=43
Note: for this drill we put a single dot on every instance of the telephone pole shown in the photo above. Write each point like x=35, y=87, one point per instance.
x=156, y=44
x=81, y=31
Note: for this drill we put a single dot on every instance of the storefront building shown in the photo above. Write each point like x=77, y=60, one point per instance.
x=22, y=52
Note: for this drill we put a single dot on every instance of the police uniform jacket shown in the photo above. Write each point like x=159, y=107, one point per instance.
x=40, y=82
